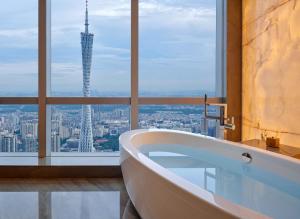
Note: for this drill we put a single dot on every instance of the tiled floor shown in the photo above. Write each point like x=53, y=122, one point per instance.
x=65, y=198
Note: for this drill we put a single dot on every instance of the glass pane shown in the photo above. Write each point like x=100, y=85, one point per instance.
x=188, y=118
x=18, y=48
x=177, y=47
x=106, y=52
x=18, y=128
x=97, y=131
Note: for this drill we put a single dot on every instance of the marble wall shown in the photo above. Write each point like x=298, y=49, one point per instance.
x=271, y=70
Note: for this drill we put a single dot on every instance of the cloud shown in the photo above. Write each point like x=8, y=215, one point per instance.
x=112, y=59
x=150, y=8
x=18, y=68
x=188, y=39
x=111, y=50
x=113, y=9
x=158, y=8
x=29, y=32
x=18, y=77
x=166, y=16
x=19, y=38
x=65, y=69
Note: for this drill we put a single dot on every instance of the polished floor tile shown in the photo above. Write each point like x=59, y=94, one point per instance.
x=65, y=198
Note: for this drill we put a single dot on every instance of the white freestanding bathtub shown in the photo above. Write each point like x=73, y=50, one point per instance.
x=174, y=174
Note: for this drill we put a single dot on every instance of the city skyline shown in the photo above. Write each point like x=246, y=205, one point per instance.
x=108, y=122
x=19, y=129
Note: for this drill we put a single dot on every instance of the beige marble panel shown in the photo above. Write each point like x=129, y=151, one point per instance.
x=271, y=70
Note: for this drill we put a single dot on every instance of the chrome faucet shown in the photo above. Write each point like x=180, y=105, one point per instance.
x=224, y=121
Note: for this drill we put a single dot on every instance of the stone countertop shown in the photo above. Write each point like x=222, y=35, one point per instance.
x=283, y=149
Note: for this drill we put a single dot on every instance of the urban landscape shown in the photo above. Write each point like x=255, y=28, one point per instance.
x=95, y=128
x=19, y=125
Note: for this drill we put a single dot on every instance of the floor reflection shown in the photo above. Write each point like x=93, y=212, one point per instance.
x=19, y=205
x=60, y=199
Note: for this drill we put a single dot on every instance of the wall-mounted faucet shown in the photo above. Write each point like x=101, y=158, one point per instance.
x=224, y=121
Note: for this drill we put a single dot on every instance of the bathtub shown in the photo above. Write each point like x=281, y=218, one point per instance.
x=174, y=174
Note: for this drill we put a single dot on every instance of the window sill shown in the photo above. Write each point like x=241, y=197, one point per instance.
x=60, y=159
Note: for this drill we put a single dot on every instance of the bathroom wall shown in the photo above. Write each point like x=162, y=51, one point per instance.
x=271, y=70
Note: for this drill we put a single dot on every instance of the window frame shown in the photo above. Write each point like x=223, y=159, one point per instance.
x=44, y=100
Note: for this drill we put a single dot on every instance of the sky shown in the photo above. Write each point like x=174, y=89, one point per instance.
x=176, y=47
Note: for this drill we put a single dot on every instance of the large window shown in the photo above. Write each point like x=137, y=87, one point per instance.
x=75, y=75
x=18, y=76
x=109, y=21
x=177, y=47
x=18, y=48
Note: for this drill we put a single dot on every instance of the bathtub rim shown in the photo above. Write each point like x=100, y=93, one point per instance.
x=216, y=201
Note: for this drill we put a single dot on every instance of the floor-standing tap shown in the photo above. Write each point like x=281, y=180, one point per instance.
x=224, y=121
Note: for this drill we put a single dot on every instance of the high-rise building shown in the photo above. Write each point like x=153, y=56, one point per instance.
x=15, y=119
x=29, y=127
x=204, y=126
x=30, y=143
x=55, y=142
x=56, y=126
x=8, y=143
x=86, y=135
x=65, y=132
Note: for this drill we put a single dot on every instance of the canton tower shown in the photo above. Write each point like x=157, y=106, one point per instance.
x=86, y=135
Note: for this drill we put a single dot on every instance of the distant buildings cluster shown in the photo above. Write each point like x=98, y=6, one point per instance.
x=107, y=126
x=19, y=130
x=176, y=120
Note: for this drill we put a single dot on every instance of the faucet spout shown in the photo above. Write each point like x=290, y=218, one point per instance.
x=222, y=115
x=230, y=125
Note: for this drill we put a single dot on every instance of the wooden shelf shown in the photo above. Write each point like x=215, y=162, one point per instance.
x=287, y=150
